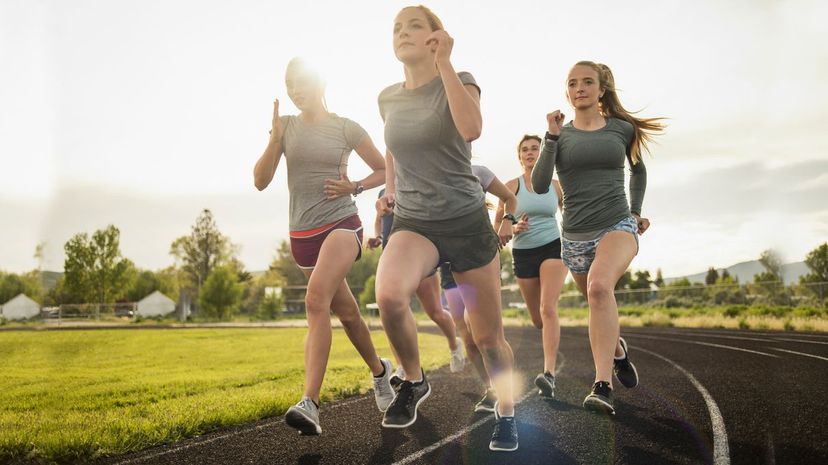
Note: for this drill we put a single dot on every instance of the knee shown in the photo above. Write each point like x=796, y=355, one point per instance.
x=599, y=290
x=348, y=315
x=487, y=342
x=391, y=302
x=316, y=304
x=549, y=312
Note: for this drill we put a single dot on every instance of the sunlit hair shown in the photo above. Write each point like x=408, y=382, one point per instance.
x=610, y=106
x=524, y=139
x=433, y=19
x=309, y=72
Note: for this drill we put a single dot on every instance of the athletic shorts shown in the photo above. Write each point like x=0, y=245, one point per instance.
x=579, y=255
x=446, y=278
x=305, y=245
x=467, y=242
x=527, y=262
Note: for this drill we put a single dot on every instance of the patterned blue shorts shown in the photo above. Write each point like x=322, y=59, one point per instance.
x=579, y=255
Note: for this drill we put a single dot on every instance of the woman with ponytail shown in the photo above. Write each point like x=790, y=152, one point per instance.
x=600, y=228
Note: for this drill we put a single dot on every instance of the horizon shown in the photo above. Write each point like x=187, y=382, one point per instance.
x=141, y=116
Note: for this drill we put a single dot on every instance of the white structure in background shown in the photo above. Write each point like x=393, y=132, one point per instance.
x=20, y=308
x=155, y=304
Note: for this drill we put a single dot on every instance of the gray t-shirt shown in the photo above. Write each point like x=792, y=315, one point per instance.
x=316, y=152
x=432, y=162
x=484, y=176
x=590, y=167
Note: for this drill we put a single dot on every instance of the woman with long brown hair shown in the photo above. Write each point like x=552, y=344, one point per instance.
x=600, y=228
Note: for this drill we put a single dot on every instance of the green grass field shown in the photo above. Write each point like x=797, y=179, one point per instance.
x=67, y=396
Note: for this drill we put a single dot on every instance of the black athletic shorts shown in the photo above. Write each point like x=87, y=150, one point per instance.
x=527, y=262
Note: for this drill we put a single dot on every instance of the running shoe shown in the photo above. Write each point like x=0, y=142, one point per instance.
x=624, y=369
x=304, y=416
x=505, y=435
x=487, y=403
x=383, y=391
x=403, y=410
x=546, y=385
x=458, y=360
x=600, y=399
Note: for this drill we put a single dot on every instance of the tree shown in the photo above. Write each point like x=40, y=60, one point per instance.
x=368, y=294
x=726, y=274
x=221, y=294
x=641, y=280
x=712, y=276
x=94, y=269
x=147, y=282
x=817, y=262
x=659, y=280
x=507, y=271
x=201, y=251
x=12, y=284
x=773, y=267
x=624, y=280
x=285, y=266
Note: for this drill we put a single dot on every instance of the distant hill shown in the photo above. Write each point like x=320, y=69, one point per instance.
x=746, y=270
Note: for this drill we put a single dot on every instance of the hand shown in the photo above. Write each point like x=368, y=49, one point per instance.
x=555, y=121
x=643, y=223
x=441, y=44
x=339, y=188
x=386, y=203
x=373, y=243
x=504, y=233
x=522, y=225
x=276, y=129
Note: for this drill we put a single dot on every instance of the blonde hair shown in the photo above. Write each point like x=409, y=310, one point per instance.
x=433, y=19
x=610, y=106
x=306, y=68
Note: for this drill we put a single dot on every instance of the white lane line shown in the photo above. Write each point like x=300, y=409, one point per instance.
x=468, y=429
x=802, y=353
x=801, y=340
x=201, y=442
x=692, y=333
x=721, y=450
x=709, y=344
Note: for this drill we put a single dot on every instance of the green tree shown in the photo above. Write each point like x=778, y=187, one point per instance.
x=221, y=294
x=363, y=269
x=368, y=294
x=507, y=272
x=12, y=284
x=772, y=264
x=285, y=266
x=199, y=252
x=659, y=280
x=624, y=280
x=94, y=269
x=817, y=262
x=147, y=282
x=712, y=276
x=641, y=281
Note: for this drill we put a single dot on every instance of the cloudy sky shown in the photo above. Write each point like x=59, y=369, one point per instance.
x=141, y=114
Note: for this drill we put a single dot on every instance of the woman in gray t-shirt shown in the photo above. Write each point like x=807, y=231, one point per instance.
x=439, y=213
x=325, y=230
x=600, y=229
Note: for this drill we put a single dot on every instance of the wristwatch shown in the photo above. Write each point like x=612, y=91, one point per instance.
x=553, y=137
x=511, y=218
x=358, y=189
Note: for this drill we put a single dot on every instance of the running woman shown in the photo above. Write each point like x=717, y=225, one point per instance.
x=600, y=229
x=536, y=252
x=325, y=230
x=454, y=300
x=439, y=213
x=428, y=293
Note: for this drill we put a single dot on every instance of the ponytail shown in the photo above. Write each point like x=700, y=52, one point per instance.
x=610, y=106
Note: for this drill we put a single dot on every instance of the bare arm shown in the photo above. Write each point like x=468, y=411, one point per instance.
x=559, y=192
x=463, y=100
x=388, y=199
x=266, y=165
x=508, y=203
x=371, y=156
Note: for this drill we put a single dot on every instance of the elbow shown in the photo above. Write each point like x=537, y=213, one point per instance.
x=259, y=183
x=472, y=134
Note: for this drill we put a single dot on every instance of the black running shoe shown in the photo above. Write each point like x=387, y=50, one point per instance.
x=403, y=409
x=487, y=403
x=546, y=385
x=624, y=369
x=505, y=435
x=395, y=381
x=600, y=399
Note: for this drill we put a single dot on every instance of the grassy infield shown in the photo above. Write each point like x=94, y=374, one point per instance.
x=73, y=395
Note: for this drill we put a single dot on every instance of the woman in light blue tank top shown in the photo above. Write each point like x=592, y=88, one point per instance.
x=536, y=251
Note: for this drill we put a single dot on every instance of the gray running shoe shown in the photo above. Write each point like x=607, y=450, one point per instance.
x=403, y=410
x=546, y=385
x=487, y=403
x=383, y=391
x=624, y=370
x=304, y=416
x=600, y=399
x=505, y=435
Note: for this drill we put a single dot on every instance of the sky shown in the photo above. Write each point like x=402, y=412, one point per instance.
x=141, y=114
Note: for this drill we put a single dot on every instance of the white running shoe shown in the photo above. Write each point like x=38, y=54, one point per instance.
x=458, y=360
x=383, y=391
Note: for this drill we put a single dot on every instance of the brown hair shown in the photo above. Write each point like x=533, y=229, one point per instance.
x=610, y=106
x=528, y=137
x=433, y=19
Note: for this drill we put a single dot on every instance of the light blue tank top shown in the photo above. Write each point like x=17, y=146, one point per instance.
x=541, y=208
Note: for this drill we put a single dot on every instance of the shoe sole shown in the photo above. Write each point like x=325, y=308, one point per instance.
x=626, y=354
x=595, y=404
x=306, y=426
x=502, y=449
x=484, y=409
x=416, y=407
x=543, y=388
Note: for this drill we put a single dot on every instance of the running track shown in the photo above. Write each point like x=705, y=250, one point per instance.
x=706, y=396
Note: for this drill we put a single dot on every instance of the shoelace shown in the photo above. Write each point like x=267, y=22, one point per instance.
x=504, y=429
